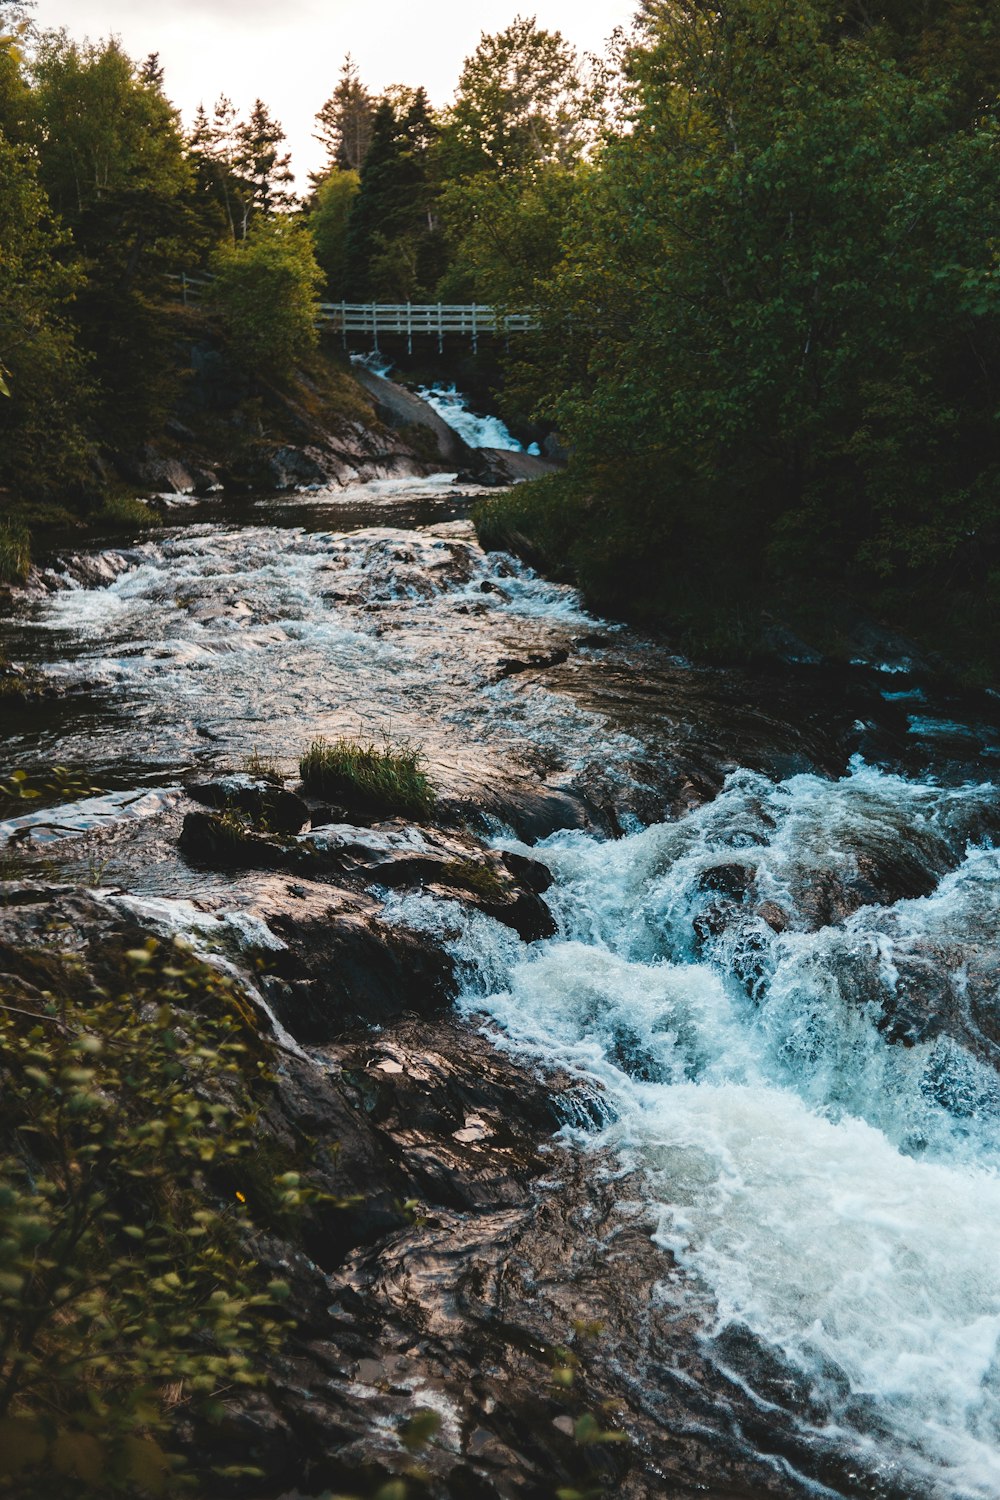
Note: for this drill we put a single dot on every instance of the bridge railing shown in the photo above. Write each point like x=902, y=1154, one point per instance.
x=407, y=320
x=422, y=319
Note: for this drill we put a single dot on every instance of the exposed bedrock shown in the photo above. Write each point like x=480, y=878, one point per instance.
x=456, y=1252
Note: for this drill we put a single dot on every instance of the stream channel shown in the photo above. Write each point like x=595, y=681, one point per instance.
x=776, y=970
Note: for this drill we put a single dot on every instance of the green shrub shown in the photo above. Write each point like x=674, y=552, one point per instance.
x=124, y=512
x=266, y=292
x=124, y=1284
x=368, y=779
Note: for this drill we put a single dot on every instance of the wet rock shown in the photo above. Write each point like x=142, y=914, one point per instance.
x=733, y=880
x=89, y=570
x=396, y=855
x=450, y=1250
x=774, y=916
x=499, y=466
x=531, y=812
x=288, y=467
x=265, y=801
x=535, y=661
x=224, y=841
x=346, y=968
x=404, y=411
x=155, y=471
x=451, y=865
x=25, y=684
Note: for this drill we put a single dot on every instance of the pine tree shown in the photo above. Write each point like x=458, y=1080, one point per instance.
x=346, y=120
x=265, y=171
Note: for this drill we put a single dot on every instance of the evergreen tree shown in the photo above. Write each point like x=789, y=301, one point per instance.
x=393, y=243
x=264, y=170
x=345, y=121
x=239, y=164
x=212, y=152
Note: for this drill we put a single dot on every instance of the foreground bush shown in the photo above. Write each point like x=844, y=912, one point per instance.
x=368, y=779
x=125, y=1291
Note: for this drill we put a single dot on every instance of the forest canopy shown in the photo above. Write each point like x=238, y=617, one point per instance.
x=759, y=239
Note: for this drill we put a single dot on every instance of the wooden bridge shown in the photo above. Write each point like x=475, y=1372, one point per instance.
x=412, y=320
x=409, y=320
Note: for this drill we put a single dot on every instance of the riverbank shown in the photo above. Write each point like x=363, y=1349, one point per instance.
x=721, y=600
x=330, y=421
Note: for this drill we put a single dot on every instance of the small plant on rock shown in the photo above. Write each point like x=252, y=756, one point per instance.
x=15, y=552
x=368, y=779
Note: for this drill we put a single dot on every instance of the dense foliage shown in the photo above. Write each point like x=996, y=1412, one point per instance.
x=126, y=1291
x=772, y=323
x=104, y=204
x=272, y=268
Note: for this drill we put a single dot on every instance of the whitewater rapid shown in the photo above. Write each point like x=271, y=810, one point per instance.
x=478, y=431
x=837, y=1192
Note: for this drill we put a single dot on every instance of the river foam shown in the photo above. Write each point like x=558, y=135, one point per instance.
x=835, y=1187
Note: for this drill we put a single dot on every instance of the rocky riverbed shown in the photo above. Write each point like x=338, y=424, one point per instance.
x=669, y=1040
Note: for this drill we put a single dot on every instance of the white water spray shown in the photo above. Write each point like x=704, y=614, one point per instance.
x=839, y=1193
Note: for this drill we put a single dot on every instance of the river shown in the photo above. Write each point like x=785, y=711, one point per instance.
x=779, y=979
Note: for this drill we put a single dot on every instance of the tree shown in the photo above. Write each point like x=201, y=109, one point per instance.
x=345, y=121
x=106, y=127
x=328, y=224
x=506, y=158
x=112, y=158
x=393, y=245
x=43, y=445
x=774, y=324
x=263, y=169
x=520, y=105
x=266, y=291
x=212, y=151
x=239, y=166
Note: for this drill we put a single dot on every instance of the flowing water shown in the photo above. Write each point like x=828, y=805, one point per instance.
x=780, y=983
x=478, y=431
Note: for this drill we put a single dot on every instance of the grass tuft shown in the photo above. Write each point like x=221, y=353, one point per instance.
x=263, y=766
x=121, y=512
x=15, y=552
x=367, y=778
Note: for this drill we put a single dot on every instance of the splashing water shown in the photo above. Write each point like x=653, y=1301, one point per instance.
x=836, y=1189
x=478, y=432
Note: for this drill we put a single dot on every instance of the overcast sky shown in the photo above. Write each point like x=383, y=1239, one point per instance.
x=289, y=52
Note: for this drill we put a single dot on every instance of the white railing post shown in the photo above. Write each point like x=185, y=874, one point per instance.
x=440, y=330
